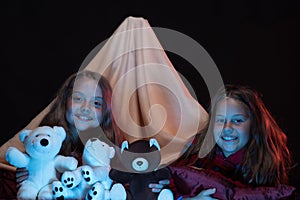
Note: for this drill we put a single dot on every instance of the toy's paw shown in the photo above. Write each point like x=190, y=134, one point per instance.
x=97, y=192
x=58, y=190
x=107, y=183
x=117, y=192
x=68, y=180
x=15, y=157
x=165, y=194
x=88, y=174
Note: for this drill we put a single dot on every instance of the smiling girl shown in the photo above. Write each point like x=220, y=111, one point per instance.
x=248, y=145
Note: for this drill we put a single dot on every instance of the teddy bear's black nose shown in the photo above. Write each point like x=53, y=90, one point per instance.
x=44, y=142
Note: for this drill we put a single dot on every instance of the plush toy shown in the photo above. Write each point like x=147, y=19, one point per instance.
x=95, y=169
x=141, y=160
x=41, y=159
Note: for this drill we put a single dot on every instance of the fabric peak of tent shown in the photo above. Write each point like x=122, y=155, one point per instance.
x=149, y=98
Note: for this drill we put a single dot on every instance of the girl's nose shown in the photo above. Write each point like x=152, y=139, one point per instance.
x=85, y=108
x=227, y=127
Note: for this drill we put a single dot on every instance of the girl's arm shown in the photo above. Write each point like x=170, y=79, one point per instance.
x=203, y=195
x=157, y=187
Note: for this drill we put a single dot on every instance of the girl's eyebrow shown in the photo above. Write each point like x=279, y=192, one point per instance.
x=74, y=92
x=243, y=115
x=222, y=115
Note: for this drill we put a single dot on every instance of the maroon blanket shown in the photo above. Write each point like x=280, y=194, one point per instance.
x=190, y=181
x=7, y=184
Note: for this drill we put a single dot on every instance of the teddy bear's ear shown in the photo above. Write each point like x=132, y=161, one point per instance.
x=24, y=134
x=60, y=131
x=124, y=146
x=155, y=143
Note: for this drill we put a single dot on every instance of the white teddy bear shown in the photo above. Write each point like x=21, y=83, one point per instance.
x=76, y=184
x=41, y=159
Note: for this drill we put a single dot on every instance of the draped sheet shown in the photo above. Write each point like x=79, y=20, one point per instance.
x=149, y=98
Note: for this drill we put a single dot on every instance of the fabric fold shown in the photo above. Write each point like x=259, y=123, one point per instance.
x=149, y=98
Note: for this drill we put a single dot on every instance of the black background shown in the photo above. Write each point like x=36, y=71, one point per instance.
x=252, y=42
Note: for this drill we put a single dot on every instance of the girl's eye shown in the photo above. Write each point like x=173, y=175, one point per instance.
x=98, y=103
x=238, y=121
x=220, y=121
x=77, y=98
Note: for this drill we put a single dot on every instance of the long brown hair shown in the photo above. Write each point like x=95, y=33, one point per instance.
x=57, y=114
x=267, y=159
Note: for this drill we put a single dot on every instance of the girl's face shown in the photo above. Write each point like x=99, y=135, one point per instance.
x=231, y=125
x=84, y=106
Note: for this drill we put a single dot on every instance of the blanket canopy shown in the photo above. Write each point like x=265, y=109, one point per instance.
x=149, y=100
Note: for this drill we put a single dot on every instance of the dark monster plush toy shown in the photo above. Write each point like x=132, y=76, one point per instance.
x=140, y=160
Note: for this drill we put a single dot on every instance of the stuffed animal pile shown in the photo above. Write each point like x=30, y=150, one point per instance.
x=41, y=159
x=141, y=160
x=91, y=180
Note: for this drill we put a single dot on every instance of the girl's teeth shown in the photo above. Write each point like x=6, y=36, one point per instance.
x=84, y=118
x=229, y=138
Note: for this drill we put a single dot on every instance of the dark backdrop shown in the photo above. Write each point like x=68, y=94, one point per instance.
x=252, y=42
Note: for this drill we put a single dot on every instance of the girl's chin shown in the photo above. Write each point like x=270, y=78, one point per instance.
x=81, y=127
x=84, y=127
x=229, y=148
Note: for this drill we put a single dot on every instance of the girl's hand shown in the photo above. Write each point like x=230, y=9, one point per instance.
x=156, y=187
x=21, y=175
x=203, y=195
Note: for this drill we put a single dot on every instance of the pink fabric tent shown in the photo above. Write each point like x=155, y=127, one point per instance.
x=149, y=97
